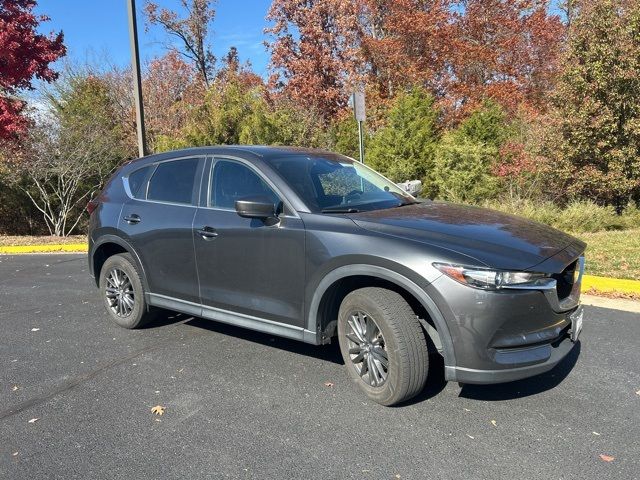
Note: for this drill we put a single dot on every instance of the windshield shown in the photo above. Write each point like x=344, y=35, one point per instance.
x=339, y=184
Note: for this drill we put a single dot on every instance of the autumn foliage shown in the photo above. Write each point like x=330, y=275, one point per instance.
x=462, y=51
x=24, y=55
x=516, y=102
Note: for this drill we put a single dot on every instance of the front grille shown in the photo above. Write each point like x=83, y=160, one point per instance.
x=564, y=280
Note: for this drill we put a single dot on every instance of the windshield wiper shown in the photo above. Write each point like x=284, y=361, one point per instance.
x=339, y=210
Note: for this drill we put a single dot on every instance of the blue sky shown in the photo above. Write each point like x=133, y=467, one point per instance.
x=96, y=29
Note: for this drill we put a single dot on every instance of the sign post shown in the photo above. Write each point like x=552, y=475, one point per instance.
x=360, y=114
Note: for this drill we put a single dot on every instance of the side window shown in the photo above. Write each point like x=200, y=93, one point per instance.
x=173, y=181
x=136, y=180
x=233, y=181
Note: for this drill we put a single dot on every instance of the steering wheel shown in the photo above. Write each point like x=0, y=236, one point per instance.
x=353, y=193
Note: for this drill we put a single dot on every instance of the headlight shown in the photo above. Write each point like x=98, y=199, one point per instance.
x=490, y=279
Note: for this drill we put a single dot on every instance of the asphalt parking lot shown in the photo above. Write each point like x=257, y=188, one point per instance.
x=76, y=394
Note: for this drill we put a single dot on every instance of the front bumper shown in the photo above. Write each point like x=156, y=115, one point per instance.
x=502, y=336
x=546, y=357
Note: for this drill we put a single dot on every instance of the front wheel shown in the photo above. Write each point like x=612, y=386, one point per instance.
x=383, y=345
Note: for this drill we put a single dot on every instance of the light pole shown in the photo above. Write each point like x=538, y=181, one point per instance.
x=137, y=81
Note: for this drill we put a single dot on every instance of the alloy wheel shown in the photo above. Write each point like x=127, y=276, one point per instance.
x=367, y=349
x=119, y=293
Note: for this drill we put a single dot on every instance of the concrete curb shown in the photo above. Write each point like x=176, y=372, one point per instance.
x=624, y=305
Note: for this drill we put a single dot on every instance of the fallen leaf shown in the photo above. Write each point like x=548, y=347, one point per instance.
x=35, y=329
x=14, y=388
x=158, y=410
x=596, y=433
x=34, y=420
x=493, y=422
x=328, y=384
x=607, y=458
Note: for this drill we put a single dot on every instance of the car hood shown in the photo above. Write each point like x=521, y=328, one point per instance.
x=495, y=239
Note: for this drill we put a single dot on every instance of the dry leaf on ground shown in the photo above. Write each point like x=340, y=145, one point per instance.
x=158, y=410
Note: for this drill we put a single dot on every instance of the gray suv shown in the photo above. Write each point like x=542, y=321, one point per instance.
x=312, y=245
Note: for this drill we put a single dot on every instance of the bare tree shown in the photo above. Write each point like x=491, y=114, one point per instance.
x=63, y=173
x=75, y=143
x=191, y=31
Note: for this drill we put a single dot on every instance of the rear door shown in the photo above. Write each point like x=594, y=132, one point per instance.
x=245, y=265
x=158, y=222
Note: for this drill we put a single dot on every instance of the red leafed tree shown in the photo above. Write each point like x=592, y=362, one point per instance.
x=170, y=88
x=406, y=42
x=314, y=52
x=24, y=54
x=504, y=50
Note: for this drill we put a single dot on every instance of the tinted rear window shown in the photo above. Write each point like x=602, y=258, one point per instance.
x=136, y=181
x=173, y=181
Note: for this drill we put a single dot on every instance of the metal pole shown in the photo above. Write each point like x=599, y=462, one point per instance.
x=361, y=140
x=137, y=81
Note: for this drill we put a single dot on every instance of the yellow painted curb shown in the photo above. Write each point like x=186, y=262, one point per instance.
x=71, y=247
x=605, y=284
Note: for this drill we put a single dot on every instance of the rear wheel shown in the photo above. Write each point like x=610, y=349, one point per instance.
x=383, y=345
x=122, y=292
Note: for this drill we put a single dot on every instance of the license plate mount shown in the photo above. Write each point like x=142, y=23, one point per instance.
x=576, y=323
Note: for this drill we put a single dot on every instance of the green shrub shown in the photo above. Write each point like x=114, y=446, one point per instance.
x=404, y=148
x=577, y=217
x=462, y=170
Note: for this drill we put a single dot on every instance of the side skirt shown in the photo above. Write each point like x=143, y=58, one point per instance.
x=232, y=318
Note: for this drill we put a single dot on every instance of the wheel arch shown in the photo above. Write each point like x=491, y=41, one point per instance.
x=326, y=288
x=110, y=245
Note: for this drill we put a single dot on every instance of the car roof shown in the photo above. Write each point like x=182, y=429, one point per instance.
x=263, y=151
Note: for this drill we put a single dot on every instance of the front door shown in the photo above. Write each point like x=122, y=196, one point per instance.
x=248, y=266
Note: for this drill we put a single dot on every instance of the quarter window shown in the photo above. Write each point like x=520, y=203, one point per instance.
x=233, y=181
x=136, y=180
x=173, y=181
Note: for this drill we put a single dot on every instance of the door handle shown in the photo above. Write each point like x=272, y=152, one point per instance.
x=207, y=233
x=132, y=219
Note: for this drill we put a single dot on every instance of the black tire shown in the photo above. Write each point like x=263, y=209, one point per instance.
x=402, y=338
x=140, y=313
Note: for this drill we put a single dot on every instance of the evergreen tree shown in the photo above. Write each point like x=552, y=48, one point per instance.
x=597, y=105
x=404, y=148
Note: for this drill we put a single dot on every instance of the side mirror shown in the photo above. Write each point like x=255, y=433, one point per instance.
x=256, y=207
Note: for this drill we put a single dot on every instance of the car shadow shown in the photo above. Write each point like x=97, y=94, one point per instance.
x=331, y=353
x=526, y=387
x=327, y=353
x=164, y=318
